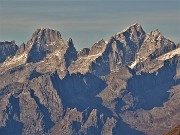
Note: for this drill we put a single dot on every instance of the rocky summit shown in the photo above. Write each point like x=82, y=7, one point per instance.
x=128, y=85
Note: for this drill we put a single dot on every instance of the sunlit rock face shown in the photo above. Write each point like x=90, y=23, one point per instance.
x=127, y=85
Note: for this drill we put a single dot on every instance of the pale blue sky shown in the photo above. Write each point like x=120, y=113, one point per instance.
x=87, y=21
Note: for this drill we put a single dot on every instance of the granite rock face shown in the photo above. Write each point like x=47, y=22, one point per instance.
x=7, y=49
x=38, y=46
x=83, y=52
x=128, y=85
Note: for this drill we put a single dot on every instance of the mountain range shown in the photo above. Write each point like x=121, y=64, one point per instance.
x=128, y=85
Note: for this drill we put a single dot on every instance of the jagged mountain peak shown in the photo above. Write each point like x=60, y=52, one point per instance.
x=6, y=43
x=44, y=41
x=50, y=88
x=155, y=47
x=70, y=42
x=134, y=34
x=45, y=36
x=7, y=49
x=44, y=44
x=21, y=49
x=98, y=47
x=155, y=33
x=125, y=44
x=83, y=52
x=132, y=29
x=135, y=25
x=48, y=31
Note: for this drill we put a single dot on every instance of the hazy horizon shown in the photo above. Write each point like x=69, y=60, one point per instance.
x=87, y=22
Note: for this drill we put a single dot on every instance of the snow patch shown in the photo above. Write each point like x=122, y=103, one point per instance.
x=52, y=43
x=134, y=64
x=18, y=60
x=161, y=58
x=84, y=63
x=169, y=54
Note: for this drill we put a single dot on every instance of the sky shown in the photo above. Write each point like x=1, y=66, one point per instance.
x=87, y=21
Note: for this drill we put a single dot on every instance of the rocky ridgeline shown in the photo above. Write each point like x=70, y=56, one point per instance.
x=126, y=85
x=7, y=50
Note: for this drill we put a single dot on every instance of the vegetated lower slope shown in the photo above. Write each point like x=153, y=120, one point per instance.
x=174, y=131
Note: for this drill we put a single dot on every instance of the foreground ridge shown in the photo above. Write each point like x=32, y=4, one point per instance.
x=174, y=131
